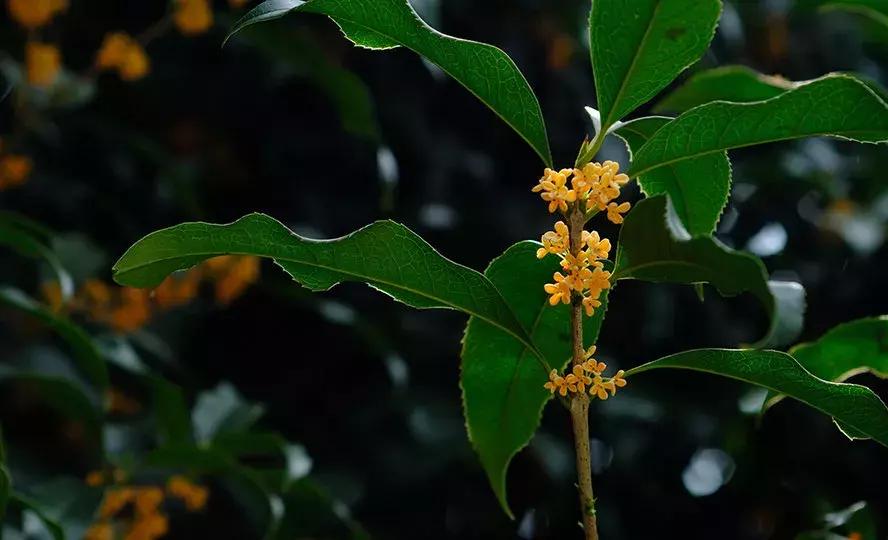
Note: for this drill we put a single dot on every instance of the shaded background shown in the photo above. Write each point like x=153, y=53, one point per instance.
x=291, y=120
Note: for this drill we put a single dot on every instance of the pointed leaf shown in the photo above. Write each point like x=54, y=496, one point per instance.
x=638, y=47
x=385, y=255
x=27, y=243
x=835, y=105
x=483, y=69
x=653, y=247
x=851, y=404
x=728, y=83
x=83, y=349
x=847, y=350
x=698, y=188
x=502, y=381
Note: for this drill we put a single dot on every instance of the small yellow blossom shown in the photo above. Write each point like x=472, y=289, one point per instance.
x=14, y=170
x=233, y=276
x=121, y=52
x=115, y=500
x=615, y=211
x=148, y=527
x=148, y=500
x=597, y=280
x=560, y=290
x=599, y=248
x=585, y=179
x=556, y=383
x=555, y=242
x=578, y=380
x=43, y=62
x=99, y=531
x=590, y=304
x=552, y=188
x=33, y=14
x=177, y=290
x=193, y=16
x=193, y=495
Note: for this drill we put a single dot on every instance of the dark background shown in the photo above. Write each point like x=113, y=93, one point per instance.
x=370, y=387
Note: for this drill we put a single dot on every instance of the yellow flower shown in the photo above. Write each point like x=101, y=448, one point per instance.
x=193, y=495
x=585, y=179
x=556, y=242
x=121, y=52
x=14, y=170
x=148, y=527
x=553, y=186
x=597, y=280
x=193, y=16
x=614, y=212
x=177, y=290
x=560, y=290
x=115, y=500
x=132, y=312
x=243, y=272
x=600, y=386
x=33, y=14
x=99, y=531
x=42, y=63
x=599, y=248
x=148, y=500
x=579, y=379
x=590, y=304
x=556, y=383
x=95, y=478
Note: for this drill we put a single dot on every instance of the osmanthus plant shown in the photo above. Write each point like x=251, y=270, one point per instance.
x=536, y=312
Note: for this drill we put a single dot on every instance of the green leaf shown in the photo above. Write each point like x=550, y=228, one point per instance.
x=385, y=255
x=877, y=10
x=5, y=481
x=851, y=404
x=309, y=512
x=698, y=188
x=222, y=410
x=25, y=242
x=26, y=503
x=483, y=69
x=171, y=413
x=845, y=351
x=727, y=83
x=347, y=92
x=639, y=46
x=83, y=349
x=653, y=247
x=64, y=504
x=835, y=105
x=502, y=382
x=64, y=397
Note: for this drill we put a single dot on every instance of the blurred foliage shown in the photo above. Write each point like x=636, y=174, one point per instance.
x=302, y=415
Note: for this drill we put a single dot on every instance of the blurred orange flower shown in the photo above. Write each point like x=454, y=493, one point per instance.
x=35, y=13
x=193, y=16
x=121, y=52
x=43, y=62
x=14, y=170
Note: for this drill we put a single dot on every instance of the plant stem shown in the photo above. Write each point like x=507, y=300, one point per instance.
x=579, y=405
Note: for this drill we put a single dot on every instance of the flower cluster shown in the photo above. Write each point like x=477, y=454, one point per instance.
x=578, y=194
x=120, y=52
x=135, y=512
x=126, y=309
x=596, y=186
x=14, y=169
x=32, y=14
x=586, y=275
x=587, y=374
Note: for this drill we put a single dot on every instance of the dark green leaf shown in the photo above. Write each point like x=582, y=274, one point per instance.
x=639, y=46
x=64, y=503
x=87, y=356
x=851, y=404
x=171, y=413
x=502, y=381
x=877, y=10
x=5, y=481
x=348, y=93
x=64, y=397
x=835, y=105
x=222, y=410
x=310, y=513
x=653, y=247
x=385, y=255
x=24, y=242
x=484, y=70
x=698, y=188
x=845, y=351
x=26, y=503
x=728, y=83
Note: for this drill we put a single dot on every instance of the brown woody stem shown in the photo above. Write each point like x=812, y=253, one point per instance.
x=579, y=405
